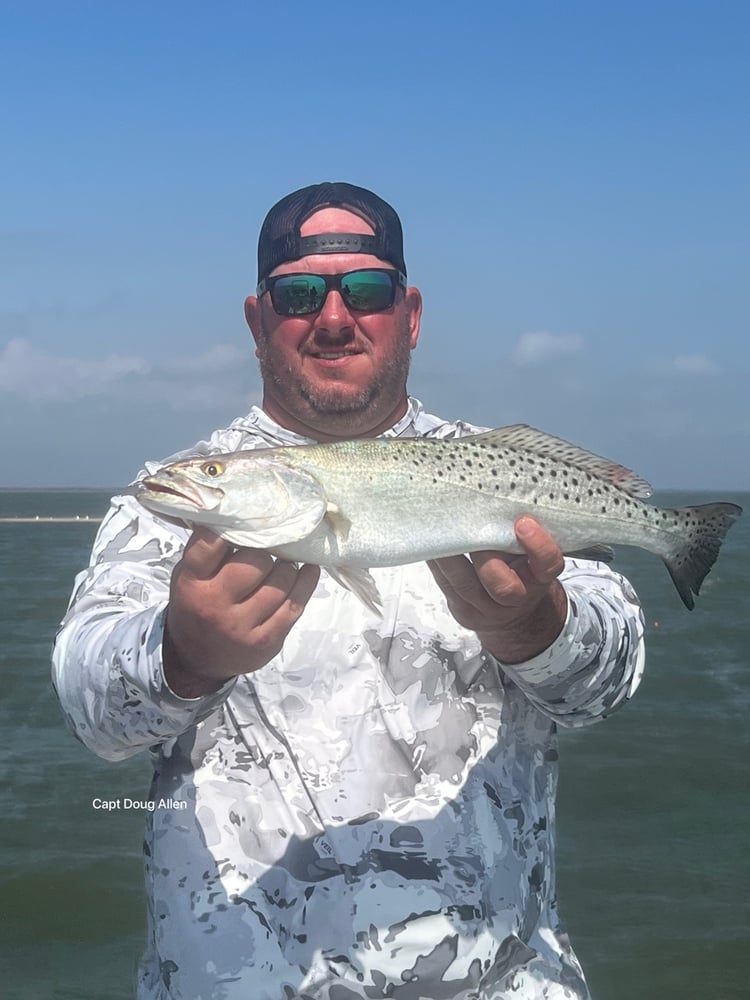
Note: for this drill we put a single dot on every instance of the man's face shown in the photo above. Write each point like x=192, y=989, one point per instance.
x=336, y=373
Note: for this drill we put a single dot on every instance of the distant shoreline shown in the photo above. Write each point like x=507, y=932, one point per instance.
x=44, y=519
x=112, y=490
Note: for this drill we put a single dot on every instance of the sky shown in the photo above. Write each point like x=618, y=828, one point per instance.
x=572, y=179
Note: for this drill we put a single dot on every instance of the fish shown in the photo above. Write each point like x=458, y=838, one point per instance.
x=351, y=506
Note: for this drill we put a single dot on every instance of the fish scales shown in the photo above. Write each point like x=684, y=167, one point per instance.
x=405, y=501
x=455, y=496
x=354, y=505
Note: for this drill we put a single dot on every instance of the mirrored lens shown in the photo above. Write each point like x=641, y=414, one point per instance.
x=368, y=291
x=362, y=290
x=298, y=294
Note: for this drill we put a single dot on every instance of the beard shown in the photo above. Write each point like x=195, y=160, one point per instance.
x=333, y=399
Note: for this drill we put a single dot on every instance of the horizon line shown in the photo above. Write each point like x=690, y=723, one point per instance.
x=117, y=490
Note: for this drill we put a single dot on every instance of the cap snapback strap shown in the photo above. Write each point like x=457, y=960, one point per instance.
x=339, y=243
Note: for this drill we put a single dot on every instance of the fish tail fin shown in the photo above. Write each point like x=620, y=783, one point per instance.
x=705, y=528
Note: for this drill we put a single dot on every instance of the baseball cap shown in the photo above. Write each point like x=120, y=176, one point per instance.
x=280, y=238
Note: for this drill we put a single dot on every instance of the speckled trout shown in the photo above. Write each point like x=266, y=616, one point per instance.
x=353, y=505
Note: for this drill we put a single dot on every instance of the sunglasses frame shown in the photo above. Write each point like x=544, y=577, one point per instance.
x=332, y=283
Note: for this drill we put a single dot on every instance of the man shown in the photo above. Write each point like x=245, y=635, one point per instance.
x=346, y=807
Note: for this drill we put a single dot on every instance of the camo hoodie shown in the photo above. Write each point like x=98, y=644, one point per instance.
x=369, y=815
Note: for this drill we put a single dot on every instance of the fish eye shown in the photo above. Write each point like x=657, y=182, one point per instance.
x=212, y=469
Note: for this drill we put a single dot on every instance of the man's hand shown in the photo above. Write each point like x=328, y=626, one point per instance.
x=515, y=604
x=229, y=612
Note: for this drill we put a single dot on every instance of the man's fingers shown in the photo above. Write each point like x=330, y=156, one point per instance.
x=503, y=578
x=265, y=593
x=238, y=571
x=281, y=608
x=455, y=572
x=303, y=589
x=238, y=620
x=245, y=570
x=456, y=578
x=485, y=578
x=204, y=554
x=545, y=560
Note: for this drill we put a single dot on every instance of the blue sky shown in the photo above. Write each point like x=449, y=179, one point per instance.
x=572, y=178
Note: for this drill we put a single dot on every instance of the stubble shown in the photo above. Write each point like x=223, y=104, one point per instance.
x=334, y=400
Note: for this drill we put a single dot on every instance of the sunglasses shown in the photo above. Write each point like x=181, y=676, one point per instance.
x=371, y=289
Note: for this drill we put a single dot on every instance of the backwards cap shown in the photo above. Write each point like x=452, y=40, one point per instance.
x=280, y=238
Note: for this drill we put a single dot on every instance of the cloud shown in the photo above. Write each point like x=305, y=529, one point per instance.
x=695, y=364
x=180, y=383
x=220, y=358
x=668, y=370
x=39, y=376
x=535, y=348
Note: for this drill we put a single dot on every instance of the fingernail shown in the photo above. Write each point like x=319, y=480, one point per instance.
x=525, y=526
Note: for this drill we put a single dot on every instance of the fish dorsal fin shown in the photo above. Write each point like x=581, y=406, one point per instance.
x=521, y=437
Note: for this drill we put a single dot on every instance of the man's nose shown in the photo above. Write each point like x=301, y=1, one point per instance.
x=334, y=318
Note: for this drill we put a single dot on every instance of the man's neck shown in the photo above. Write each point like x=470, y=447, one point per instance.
x=338, y=427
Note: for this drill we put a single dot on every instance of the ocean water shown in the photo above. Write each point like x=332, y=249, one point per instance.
x=653, y=812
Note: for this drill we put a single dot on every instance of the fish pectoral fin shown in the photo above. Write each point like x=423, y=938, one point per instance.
x=361, y=583
x=340, y=523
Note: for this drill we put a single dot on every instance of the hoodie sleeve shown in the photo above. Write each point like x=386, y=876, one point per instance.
x=596, y=663
x=107, y=662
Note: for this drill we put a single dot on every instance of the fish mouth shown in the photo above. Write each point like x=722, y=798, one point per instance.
x=183, y=492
